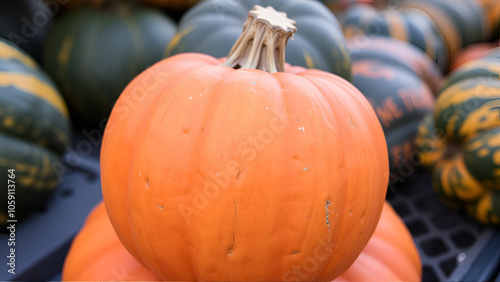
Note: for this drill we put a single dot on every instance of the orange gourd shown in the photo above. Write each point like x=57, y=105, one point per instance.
x=390, y=255
x=97, y=254
x=242, y=171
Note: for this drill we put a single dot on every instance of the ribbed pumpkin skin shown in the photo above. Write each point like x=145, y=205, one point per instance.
x=211, y=27
x=460, y=144
x=26, y=23
x=401, y=54
x=268, y=170
x=407, y=25
x=93, y=54
x=34, y=130
x=401, y=100
x=96, y=254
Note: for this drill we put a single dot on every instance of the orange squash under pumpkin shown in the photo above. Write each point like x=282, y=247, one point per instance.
x=97, y=254
x=242, y=171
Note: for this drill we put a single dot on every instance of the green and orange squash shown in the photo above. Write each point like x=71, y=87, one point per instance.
x=211, y=27
x=240, y=169
x=398, y=53
x=460, y=143
x=461, y=22
x=92, y=54
x=34, y=133
x=410, y=25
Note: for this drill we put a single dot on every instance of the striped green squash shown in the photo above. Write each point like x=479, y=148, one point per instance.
x=460, y=142
x=408, y=25
x=34, y=131
x=92, y=54
x=211, y=27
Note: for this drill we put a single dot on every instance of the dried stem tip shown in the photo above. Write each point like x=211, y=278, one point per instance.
x=262, y=43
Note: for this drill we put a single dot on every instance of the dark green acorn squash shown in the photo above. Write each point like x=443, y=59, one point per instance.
x=34, y=132
x=399, y=53
x=408, y=25
x=212, y=27
x=92, y=54
x=27, y=22
x=401, y=99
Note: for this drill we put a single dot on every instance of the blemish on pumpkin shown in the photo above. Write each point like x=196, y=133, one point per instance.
x=362, y=217
x=350, y=212
x=302, y=129
x=327, y=214
x=186, y=130
x=147, y=183
x=160, y=206
x=238, y=175
x=306, y=168
x=352, y=123
x=296, y=252
x=253, y=82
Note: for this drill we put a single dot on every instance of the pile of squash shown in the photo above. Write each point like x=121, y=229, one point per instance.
x=253, y=139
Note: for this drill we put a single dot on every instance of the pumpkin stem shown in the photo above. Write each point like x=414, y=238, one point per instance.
x=262, y=43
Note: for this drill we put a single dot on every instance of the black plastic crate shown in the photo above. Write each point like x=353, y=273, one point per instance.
x=453, y=247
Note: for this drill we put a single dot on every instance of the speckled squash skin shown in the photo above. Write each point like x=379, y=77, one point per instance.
x=211, y=27
x=460, y=143
x=34, y=131
x=93, y=53
x=409, y=25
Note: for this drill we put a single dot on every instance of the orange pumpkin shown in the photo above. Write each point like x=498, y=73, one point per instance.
x=390, y=255
x=228, y=172
x=96, y=254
